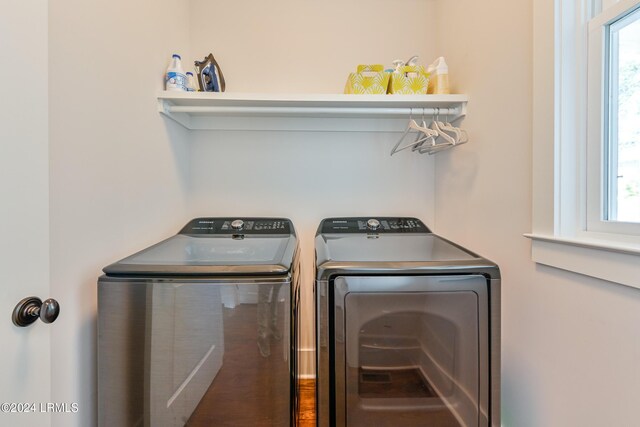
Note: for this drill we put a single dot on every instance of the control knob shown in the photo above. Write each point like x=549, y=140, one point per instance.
x=238, y=224
x=373, y=224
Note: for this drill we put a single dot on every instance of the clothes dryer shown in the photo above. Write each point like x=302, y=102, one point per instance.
x=200, y=329
x=407, y=327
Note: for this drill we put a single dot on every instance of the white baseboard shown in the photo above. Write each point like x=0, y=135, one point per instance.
x=306, y=377
x=307, y=363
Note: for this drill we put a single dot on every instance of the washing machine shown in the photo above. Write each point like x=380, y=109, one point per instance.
x=407, y=327
x=201, y=328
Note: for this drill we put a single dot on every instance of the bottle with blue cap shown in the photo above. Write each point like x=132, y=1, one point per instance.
x=176, y=79
x=191, y=82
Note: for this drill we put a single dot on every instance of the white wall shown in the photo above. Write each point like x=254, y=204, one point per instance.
x=571, y=344
x=24, y=206
x=118, y=171
x=122, y=177
x=291, y=46
x=296, y=46
x=307, y=177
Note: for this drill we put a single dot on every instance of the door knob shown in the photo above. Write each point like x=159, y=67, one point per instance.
x=30, y=309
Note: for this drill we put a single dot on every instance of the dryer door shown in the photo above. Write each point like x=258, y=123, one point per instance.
x=411, y=351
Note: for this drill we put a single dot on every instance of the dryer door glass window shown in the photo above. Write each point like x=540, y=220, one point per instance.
x=411, y=358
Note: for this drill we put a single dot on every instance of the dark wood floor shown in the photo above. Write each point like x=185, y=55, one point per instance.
x=263, y=380
x=307, y=415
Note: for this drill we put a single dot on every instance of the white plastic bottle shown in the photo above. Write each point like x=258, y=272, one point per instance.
x=439, y=77
x=176, y=79
x=191, y=82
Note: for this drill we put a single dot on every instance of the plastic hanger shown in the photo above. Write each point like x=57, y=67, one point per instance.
x=425, y=136
x=462, y=135
x=454, y=131
x=448, y=133
x=438, y=136
x=446, y=141
x=437, y=125
x=411, y=126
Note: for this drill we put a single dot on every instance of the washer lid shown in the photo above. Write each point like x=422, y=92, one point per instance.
x=390, y=246
x=211, y=246
x=393, y=248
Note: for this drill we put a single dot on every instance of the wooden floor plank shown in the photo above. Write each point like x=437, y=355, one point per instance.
x=307, y=414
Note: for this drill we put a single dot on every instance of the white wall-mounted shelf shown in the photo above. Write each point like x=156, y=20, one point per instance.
x=305, y=112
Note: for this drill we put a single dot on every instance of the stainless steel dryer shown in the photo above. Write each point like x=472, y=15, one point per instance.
x=407, y=327
x=200, y=329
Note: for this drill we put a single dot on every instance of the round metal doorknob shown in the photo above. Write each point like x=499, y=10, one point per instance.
x=30, y=309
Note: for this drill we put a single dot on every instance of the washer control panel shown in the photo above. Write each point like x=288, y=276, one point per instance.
x=373, y=225
x=223, y=226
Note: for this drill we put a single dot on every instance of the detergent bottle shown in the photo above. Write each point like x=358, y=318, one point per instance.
x=176, y=79
x=438, y=77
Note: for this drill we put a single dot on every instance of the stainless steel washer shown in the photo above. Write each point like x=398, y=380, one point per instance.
x=407, y=327
x=200, y=329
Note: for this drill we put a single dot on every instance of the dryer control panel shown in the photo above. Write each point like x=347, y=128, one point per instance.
x=373, y=225
x=238, y=225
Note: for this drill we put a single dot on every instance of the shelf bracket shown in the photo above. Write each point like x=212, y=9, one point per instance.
x=164, y=108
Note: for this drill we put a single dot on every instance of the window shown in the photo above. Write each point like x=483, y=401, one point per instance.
x=622, y=119
x=613, y=129
x=586, y=137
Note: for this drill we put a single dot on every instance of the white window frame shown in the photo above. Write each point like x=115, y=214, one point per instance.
x=561, y=236
x=597, y=132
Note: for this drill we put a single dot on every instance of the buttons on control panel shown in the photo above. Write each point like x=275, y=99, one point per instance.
x=269, y=225
x=404, y=224
x=374, y=225
x=264, y=226
x=237, y=226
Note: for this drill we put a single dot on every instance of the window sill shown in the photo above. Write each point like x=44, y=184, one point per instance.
x=611, y=261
